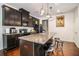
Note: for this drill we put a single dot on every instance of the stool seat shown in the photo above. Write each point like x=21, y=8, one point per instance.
x=51, y=49
x=53, y=43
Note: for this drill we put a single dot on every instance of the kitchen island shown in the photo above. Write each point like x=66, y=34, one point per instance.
x=35, y=44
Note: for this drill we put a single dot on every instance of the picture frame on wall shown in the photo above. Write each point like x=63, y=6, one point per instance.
x=60, y=21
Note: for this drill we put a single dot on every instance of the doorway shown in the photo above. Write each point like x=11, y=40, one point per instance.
x=45, y=25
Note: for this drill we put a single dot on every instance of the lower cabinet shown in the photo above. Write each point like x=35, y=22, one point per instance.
x=10, y=42
x=39, y=50
x=31, y=49
x=26, y=48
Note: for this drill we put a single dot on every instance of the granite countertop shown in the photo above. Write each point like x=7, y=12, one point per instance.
x=40, y=38
x=11, y=34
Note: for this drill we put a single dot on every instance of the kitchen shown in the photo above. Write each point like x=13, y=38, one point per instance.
x=13, y=28
x=32, y=35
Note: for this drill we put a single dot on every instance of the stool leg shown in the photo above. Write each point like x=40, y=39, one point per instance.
x=53, y=52
x=5, y=52
x=46, y=53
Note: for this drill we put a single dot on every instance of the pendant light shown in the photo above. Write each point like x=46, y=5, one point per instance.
x=47, y=15
x=42, y=10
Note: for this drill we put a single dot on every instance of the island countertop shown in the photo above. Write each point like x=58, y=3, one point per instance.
x=40, y=38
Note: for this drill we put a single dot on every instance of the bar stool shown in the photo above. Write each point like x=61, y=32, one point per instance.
x=59, y=50
x=52, y=48
x=57, y=41
x=60, y=45
x=56, y=44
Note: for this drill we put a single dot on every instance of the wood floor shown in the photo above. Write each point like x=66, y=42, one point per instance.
x=69, y=49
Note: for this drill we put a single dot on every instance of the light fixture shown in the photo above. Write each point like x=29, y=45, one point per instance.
x=58, y=10
x=47, y=16
x=47, y=12
x=42, y=10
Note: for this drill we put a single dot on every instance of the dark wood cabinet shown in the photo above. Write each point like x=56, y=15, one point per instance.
x=30, y=23
x=9, y=42
x=28, y=48
x=35, y=21
x=36, y=24
x=24, y=17
x=21, y=17
x=11, y=17
x=17, y=18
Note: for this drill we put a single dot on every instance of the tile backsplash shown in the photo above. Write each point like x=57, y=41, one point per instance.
x=17, y=28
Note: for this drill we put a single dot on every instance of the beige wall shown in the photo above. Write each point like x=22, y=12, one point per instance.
x=76, y=26
x=65, y=33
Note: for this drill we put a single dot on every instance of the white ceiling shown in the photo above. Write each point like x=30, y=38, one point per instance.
x=34, y=8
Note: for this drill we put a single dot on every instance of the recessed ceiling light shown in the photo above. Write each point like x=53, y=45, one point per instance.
x=58, y=10
x=56, y=3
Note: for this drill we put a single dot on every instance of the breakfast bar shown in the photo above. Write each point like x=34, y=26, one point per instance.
x=34, y=44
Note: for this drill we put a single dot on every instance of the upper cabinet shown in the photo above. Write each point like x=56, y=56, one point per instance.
x=26, y=20
x=17, y=18
x=36, y=24
x=11, y=17
x=30, y=21
x=35, y=21
x=21, y=17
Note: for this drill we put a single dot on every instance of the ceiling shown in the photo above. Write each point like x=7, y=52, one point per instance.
x=34, y=8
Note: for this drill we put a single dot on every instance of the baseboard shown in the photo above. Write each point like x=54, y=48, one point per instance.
x=76, y=44
x=67, y=41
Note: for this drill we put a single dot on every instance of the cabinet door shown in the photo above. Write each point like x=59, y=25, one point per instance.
x=35, y=21
x=30, y=24
x=11, y=42
x=24, y=20
x=17, y=18
x=24, y=17
x=8, y=16
x=26, y=48
x=11, y=17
